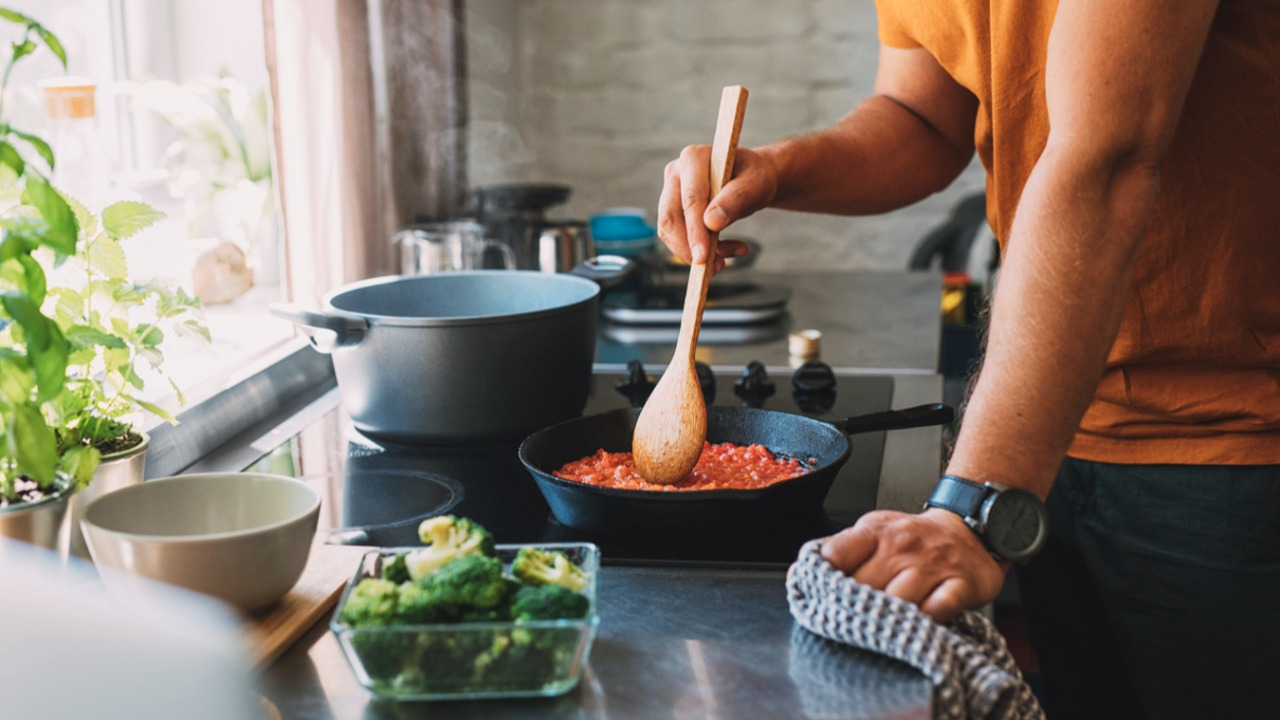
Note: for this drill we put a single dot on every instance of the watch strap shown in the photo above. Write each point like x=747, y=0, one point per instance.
x=960, y=496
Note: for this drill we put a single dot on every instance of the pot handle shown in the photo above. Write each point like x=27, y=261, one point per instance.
x=347, y=331
x=918, y=416
x=608, y=271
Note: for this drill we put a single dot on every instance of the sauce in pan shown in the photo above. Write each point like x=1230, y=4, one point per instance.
x=722, y=466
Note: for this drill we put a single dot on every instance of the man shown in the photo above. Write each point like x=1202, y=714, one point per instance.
x=1133, y=158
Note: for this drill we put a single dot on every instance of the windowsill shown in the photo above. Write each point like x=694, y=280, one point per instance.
x=245, y=338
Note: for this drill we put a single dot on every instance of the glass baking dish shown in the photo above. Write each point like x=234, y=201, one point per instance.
x=450, y=661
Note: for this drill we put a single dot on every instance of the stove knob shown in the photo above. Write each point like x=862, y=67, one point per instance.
x=754, y=385
x=813, y=386
x=707, y=380
x=814, y=376
x=637, y=386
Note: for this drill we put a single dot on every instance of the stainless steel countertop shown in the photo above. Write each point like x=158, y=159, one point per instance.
x=717, y=643
x=671, y=644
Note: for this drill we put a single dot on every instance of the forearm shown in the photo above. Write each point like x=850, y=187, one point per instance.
x=1063, y=287
x=880, y=157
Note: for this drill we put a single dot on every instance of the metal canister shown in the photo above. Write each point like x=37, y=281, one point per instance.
x=562, y=245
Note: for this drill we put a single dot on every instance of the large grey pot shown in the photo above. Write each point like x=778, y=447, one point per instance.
x=38, y=523
x=462, y=356
x=117, y=470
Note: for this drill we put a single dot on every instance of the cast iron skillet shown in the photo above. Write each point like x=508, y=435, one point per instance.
x=609, y=511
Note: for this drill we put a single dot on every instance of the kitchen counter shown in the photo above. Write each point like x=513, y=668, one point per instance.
x=690, y=641
x=715, y=643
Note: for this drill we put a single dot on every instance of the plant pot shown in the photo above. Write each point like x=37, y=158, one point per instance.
x=117, y=470
x=39, y=523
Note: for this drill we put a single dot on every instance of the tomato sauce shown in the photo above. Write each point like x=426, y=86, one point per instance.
x=722, y=466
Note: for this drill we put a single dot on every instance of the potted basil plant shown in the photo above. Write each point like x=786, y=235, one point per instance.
x=78, y=339
x=37, y=476
x=114, y=328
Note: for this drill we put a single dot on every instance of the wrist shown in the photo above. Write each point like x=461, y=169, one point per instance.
x=1012, y=523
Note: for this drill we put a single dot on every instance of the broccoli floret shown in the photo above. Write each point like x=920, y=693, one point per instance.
x=372, y=603
x=447, y=538
x=396, y=571
x=474, y=581
x=448, y=662
x=498, y=613
x=547, y=567
x=418, y=604
x=384, y=654
x=549, y=602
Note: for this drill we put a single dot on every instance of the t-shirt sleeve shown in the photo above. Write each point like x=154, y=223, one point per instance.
x=891, y=28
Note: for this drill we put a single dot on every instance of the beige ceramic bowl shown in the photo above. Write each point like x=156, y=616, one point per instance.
x=241, y=537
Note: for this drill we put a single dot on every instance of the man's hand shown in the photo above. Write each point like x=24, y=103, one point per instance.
x=687, y=215
x=932, y=559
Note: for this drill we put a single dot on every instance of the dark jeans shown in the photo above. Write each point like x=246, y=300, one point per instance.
x=1158, y=593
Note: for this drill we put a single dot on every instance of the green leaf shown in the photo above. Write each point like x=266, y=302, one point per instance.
x=127, y=218
x=9, y=156
x=33, y=444
x=68, y=306
x=82, y=336
x=46, y=346
x=63, y=228
x=22, y=49
x=132, y=377
x=86, y=222
x=35, y=280
x=40, y=146
x=157, y=411
x=153, y=337
x=52, y=42
x=106, y=257
x=177, y=391
x=16, y=17
x=12, y=245
x=16, y=382
x=154, y=357
x=115, y=358
x=191, y=329
x=80, y=461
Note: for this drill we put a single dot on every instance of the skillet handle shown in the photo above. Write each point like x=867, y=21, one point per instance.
x=346, y=331
x=918, y=416
x=607, y=271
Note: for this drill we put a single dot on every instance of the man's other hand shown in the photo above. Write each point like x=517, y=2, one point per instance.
x=932, y=559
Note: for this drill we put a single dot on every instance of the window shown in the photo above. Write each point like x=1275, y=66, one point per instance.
x=182, y=117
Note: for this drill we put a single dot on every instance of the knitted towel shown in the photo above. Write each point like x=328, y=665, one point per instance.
x=973, y=674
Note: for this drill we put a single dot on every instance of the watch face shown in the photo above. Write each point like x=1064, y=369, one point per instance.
x=1015, y=524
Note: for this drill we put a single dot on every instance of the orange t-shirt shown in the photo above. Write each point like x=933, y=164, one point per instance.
x=1194, y=374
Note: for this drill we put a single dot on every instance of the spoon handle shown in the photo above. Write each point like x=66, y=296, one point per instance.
x=724, y=149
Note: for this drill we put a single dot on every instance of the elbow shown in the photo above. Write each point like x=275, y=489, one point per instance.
x=1113, y=180
x=1123, y=168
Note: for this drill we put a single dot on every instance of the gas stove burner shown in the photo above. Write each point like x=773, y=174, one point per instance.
x=385, y=507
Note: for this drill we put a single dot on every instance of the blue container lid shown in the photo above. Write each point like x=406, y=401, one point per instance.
x=620, y=226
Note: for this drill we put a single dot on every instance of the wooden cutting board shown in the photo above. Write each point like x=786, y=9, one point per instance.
x=274, y=630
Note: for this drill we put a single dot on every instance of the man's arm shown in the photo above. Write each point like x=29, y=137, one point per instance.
x=1117, y=76
x=910, y=140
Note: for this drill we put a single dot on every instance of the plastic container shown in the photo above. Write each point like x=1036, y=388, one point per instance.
x=438, y=661
x=82, y=168
x=623, y=231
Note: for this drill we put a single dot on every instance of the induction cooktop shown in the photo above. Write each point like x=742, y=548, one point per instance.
x=376, y=492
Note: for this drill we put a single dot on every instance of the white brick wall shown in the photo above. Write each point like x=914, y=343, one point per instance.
x=600, y=94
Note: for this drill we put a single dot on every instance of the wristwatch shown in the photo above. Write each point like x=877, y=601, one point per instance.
x=1012, y=523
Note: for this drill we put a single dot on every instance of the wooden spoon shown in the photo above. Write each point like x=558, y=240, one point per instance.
x=672, y=427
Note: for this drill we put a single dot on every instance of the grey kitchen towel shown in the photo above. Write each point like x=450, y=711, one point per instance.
x=973, y=673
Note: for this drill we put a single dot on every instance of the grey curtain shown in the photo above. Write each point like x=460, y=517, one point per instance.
x=369, y=117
